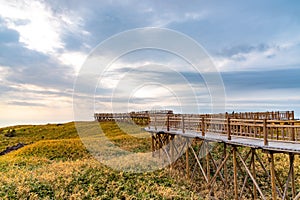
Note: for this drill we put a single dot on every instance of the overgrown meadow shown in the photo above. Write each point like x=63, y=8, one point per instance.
x=54, y=164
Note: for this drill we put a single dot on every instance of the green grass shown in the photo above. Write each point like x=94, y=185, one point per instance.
x=55, y=164
x=29, y=134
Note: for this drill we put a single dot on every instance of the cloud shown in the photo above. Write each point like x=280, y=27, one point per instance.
x=40, y=32
x=43, y=44
x=259, y=57
x=40, y=26
x=27, y=104
x=242, y=49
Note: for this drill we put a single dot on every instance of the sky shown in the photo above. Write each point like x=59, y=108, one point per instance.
x=254, y=46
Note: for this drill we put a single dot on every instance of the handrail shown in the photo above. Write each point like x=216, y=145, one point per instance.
x=287, y=130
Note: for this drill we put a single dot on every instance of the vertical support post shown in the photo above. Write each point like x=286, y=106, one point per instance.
x=236, y=196
x=203, y=126
x=152, y=144
x=207, y=161
x=293, y=115
x=292, y=158
x=168, y=122
x=253, y=173
x=225, y=166
x=265, y=131
x=208, y=167
x=183, y=130
x=228, y=129
x=155, y=122
x=255, y=129
x=293, y=132
x=187, y=164
x=272, y=169
x=172, y=149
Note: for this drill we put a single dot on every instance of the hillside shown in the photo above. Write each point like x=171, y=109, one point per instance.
x=54, y=164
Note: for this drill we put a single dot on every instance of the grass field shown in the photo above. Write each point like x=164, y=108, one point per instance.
x=55, y=164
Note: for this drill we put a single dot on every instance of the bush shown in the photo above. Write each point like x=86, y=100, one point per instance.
x=10, y=133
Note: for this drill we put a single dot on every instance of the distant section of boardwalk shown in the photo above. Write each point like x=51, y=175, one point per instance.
x=140, y=117
x=125, y=116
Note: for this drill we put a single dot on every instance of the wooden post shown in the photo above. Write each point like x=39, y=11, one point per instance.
x=293, y=132
x=207, y=161
x=292, y=158
x=203, y=126
x=254, y=173
x=168, y=122
x=183, y=131
x=187, y=164
x=228, y=129
x=155, y=122
x=272, y=169
x=208, y=168
x=172, y=149
x=152, y=144
x=236, y=196
x=255, y=129
x=265, y=132
x=225, y=166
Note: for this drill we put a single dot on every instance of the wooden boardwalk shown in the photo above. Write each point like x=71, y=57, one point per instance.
x=268, y=132
x=238, y=169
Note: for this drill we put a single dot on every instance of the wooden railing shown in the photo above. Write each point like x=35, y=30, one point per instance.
x=266, y=129
x=119, y=116
x=278, y=115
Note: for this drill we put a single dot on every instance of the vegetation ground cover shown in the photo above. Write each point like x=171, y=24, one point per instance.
x=55, y=164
